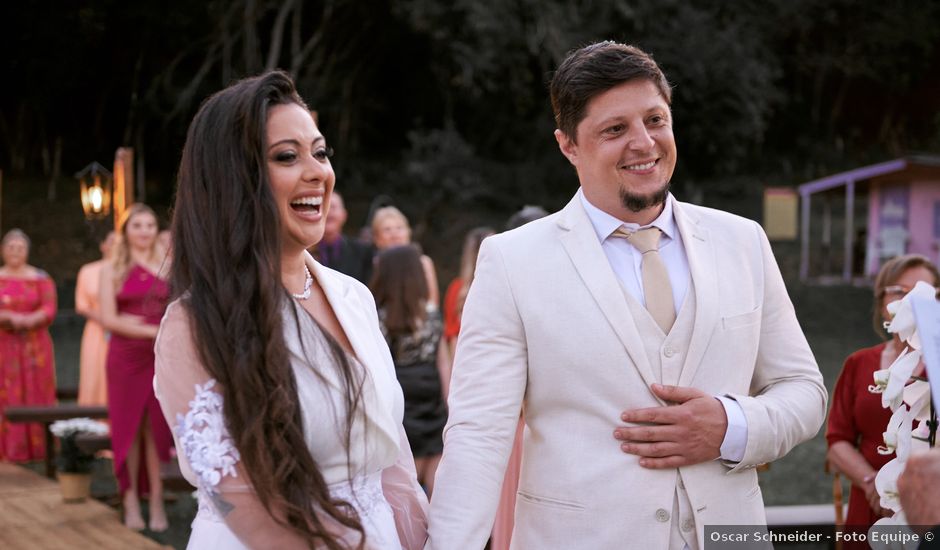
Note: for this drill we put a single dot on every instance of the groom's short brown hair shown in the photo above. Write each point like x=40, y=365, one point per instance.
x=594, y=69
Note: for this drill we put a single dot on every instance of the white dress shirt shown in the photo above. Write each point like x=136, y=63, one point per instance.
x=625, y=260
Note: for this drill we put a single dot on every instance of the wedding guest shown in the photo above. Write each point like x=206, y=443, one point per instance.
x=27, y=362
x=857, y=419
x=390, y=228
x=92, y=378
x=456, y=293
x=133, y=295
x=272, y=367
x=340, y=252
x=412, y=327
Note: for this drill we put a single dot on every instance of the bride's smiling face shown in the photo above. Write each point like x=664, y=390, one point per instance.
x=300, y=174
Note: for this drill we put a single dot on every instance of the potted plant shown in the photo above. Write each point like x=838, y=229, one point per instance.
x=74, y=464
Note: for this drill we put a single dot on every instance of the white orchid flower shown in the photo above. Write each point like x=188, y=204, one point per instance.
x=72, y=426
x=881, y=381
x=886, y=483
x=903, y=449
x=899, y=375
x=919, y=438
x=902, y=313
x=889, y=525
x=897, y=435
x=917, y=396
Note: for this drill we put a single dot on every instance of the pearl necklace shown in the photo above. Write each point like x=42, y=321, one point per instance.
x=308, y=282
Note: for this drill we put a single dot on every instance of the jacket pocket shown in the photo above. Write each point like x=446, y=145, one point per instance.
x=549, y=502
x=742, y=320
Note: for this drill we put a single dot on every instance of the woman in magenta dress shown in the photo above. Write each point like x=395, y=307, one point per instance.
x=133, y=298
x=857, y=419
x=27, y=363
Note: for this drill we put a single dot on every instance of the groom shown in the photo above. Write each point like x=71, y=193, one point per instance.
x=650, y=342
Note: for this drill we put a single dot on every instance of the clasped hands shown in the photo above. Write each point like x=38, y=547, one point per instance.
x=689, y=431
x=15, y=321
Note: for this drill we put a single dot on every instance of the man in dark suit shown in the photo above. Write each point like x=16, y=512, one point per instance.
x=340, y=252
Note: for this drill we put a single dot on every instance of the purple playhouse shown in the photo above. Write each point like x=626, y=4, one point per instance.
x=875, y=212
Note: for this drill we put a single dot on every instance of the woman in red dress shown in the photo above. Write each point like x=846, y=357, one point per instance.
x=27, y=363
x=857, y=420
x=133, y=298
x=457, y=290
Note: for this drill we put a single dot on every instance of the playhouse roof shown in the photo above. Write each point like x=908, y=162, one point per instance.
x=910, y=163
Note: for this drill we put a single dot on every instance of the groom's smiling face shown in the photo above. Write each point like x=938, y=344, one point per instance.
x=624, y=151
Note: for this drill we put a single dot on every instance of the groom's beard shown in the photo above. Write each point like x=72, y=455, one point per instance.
x=638, y=203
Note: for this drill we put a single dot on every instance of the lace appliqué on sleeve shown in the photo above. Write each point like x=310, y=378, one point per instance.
x=205, y=440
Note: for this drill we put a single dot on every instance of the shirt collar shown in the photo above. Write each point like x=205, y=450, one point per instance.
x=604, y=224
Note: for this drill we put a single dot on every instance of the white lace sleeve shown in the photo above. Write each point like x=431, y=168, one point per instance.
x=192, y=403
x=205, y=440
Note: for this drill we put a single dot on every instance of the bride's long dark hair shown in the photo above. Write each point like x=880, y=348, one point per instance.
x=227, y=269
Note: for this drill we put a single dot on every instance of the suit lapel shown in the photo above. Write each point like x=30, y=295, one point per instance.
x=352, y=316
x=700, y=251
x=580, y=242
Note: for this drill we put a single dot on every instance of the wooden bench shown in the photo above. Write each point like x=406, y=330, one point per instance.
x=46, y=415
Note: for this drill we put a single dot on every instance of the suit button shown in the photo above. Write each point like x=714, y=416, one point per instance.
x=669, y=352
x=688, y=525
x=662, y=516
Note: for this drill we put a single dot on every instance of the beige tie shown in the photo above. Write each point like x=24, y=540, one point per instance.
x=656, y=287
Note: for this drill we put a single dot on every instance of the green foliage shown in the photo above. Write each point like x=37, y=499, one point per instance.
x=447, y=101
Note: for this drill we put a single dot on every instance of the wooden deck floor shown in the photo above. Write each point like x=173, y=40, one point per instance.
x=32, y=515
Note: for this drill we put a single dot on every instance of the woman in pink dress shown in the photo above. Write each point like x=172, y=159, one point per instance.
x=92, y=382
x=27, y=363
x=133, y=296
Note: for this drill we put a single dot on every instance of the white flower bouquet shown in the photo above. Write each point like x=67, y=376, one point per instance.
x=909, y=399
x=71, y=458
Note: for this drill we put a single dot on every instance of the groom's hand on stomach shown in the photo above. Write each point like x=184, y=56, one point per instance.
x=687, y=432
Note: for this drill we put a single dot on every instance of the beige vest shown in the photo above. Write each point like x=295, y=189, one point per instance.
x=666, y=355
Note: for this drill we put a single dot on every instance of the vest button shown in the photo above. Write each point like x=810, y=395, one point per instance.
x=662, y=516
x=688, y=524
x=669, y=351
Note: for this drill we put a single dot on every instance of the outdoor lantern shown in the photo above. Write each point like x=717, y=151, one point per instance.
x=95, y=182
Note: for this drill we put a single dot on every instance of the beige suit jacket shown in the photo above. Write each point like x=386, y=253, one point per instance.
x=546, y=329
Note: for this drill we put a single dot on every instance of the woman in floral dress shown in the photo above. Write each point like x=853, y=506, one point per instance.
x=27, y=363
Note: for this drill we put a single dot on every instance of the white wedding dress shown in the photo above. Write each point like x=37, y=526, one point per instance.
x=378, y=469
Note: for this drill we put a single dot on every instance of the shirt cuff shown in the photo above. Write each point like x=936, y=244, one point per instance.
x=735, y=442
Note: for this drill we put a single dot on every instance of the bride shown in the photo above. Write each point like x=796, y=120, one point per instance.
x=271, y=367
